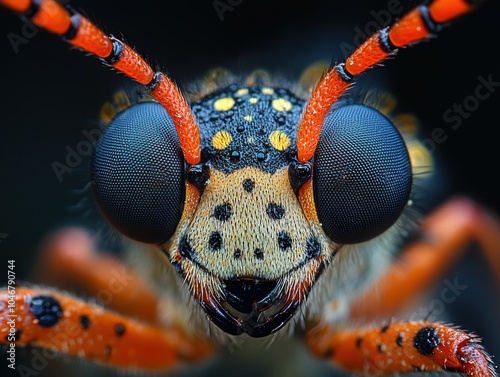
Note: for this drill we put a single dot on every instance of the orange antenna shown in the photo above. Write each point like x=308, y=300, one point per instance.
x=415, y=26
x=80, y=32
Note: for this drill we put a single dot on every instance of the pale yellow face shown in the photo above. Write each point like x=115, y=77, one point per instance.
x=247, y=231
x=250, y=224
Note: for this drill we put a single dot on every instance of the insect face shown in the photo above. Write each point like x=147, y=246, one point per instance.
x=251, y=229
x=250, y=243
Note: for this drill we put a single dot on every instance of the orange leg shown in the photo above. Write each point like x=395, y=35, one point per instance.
x=59, y=322
x=70, y=261
x=445, y=234
x=402, y=347
x=412, y=346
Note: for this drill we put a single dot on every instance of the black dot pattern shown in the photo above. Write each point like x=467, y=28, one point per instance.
x=185, y=248
x=284, y=240
x=426, y=340
x=248, y=185
x=215, y=241
x=119, y=329
x=313, y=247
x=259, y=254
x=223, y=212
x=46, y=309
x=399, y=340
x=85, y=321
x=275, y=211
x=237, y=253
x=250, y=144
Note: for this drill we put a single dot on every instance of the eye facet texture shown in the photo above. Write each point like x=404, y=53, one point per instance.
x=138, y=174
x=362, y=174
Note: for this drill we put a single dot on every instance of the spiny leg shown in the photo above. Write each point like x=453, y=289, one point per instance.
x=70, y=261
x=402, y=347
x=408, y=346
x=61, y=323
x=443, y=237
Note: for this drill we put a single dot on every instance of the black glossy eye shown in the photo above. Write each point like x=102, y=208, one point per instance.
x=362, y=174
x=138, y=174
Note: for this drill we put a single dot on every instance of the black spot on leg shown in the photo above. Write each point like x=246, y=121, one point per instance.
x=215, y=241
x=426, y=340
x=223, y=212
x=85, y=321
x=284, y=240
x=46, y=310
x=248, y=185
x=328, y=353
x=119, y=329
x=17, y=336
x=399, y=340
x=359, y=342
x=275, y=211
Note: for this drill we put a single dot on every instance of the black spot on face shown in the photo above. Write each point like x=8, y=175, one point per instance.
x=399, y=340
x=237, y=253
x=284, y=240
x=46, y=310
x=261, y=156
x=313, y=248
x=259, y=254
x=381, y=348
x=223, y=212
x=275, y=211
x=384, y=329
x=85, y=321
x=215, y=241
x=248, y=185
x=426, y=340
x=119, y=329
x=185, y=248
x=235, y=156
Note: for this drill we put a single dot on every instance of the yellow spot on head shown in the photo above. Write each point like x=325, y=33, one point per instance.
x=241, y=92
x=221, y=140
x=279, y=140
x=282, y=104
x=248, y=118
x=267, y=91
x=253, y=100
x=224, y=104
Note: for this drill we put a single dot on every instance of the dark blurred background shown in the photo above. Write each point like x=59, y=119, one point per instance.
x=50, y=93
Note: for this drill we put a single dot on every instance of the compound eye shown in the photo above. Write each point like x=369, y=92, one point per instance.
x=138, y=174
x=362, y=174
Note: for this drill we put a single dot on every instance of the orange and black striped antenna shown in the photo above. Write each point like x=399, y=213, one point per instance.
x=82, y=33
x=415, y=26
